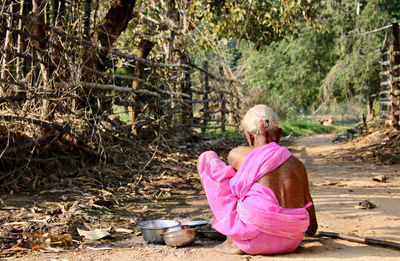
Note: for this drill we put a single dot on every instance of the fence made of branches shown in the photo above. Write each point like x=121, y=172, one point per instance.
x=65, y=97
x=390, y=79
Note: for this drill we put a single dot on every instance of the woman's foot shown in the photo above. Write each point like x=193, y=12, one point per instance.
x=228, y=247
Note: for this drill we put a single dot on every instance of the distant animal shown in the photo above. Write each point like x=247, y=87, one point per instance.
x=327, y=121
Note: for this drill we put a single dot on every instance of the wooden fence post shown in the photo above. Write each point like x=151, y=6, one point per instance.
x=187, y=114
x=384, y=98
x=205, y=97
x=395, y=76
x=221, y=96
x=5, y=67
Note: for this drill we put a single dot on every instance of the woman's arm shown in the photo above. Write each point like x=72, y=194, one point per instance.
x=312, y=228
x=237, y=155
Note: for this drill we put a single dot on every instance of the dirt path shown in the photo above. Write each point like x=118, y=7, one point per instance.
x=337, y=186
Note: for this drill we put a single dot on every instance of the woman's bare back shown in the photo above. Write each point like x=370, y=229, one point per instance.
x=289, y=183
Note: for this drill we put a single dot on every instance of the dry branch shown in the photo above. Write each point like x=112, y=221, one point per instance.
x=10, y=98
x=210, y=127
x=118, y=88
x=211, y=90
x=12, y=82
x=69, y=37
x=174, y=93
x=208, y=119
x=29, y=58
x=116, y=52
x=133, y=78
x=59, y=128
x=204, y=101
x=216, y=111
x=128, y=89
x=111, y=75
x=363, y=240
x=116, y=101
x=32, y=36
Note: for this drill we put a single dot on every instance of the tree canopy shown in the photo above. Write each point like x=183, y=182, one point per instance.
x=331, y=63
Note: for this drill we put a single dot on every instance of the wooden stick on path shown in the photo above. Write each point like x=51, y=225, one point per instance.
x=362, y=240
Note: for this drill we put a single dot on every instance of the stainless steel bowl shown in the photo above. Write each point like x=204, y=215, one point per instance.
x=174, y=228
x=152, y=230
x=181, y=237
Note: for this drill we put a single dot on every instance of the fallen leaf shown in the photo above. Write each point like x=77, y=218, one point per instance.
x=16, y=224
x=36, y=248
x=39, y=238
x=95, y=234
x=9, y=208
x=144, y=209
x=98, y=248
x=380, y=178
x=123, y=230
x=17, y=249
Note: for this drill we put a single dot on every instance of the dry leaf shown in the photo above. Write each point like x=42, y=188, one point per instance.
x=95, y=234
x=17, y=249
x=16, y=224
x=123, y=230
x=380, y=178
x=36, y=248
x=39, y=238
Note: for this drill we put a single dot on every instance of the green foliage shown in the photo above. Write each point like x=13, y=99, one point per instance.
x=293, y=127
x=357, y=70
x=392, y=6
x=303, y=127
x=121, y=112
x=271, y=46
x=230, y=133
x=260, y=22
x=300, y=72
x=290, y=71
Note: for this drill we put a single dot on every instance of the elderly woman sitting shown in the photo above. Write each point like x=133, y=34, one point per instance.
x=261, y=200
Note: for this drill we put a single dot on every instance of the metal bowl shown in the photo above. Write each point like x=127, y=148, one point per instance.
x=174, y=228
x=181, y=237
x=152, y=230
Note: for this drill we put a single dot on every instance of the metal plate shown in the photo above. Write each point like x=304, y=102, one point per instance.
x=158, y=224
x=194, y=223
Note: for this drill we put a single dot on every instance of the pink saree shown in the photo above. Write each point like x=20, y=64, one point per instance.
x=249, y=212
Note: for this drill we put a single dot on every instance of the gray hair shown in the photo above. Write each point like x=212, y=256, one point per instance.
x=251, y=121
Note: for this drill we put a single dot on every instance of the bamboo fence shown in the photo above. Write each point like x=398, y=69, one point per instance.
x=390, y=80
x=51, y=93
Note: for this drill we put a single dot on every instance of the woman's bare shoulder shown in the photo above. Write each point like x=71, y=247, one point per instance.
x=237, y=155
x=293, y=163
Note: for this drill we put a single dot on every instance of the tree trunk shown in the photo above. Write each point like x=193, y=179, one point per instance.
x=5, y=73
x=108, y=30
x=370, y=110
x=144, y=49
x=19, y=64
x=115, y=21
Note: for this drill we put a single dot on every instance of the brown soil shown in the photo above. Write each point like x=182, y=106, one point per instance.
x=340, y=177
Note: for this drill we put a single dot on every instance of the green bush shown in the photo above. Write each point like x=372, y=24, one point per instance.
x=304, y=127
